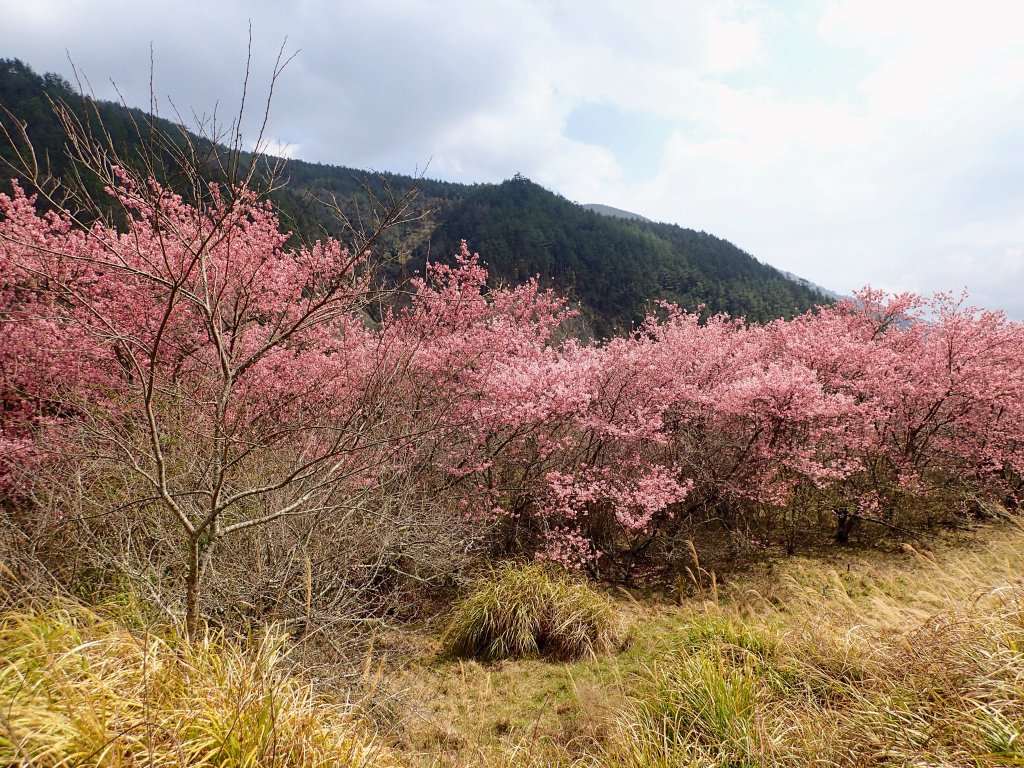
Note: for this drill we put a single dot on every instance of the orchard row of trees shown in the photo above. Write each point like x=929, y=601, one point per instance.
x=183, y=396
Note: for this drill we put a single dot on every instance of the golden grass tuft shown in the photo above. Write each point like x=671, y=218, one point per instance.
x=77, y=689
x=525, y=609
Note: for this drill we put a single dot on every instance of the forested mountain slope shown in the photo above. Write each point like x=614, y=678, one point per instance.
x=614, y=267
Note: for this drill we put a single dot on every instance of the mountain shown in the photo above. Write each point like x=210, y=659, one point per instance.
x=615, y=213
x=814, y=286
x=614, y=267
x=614, y=263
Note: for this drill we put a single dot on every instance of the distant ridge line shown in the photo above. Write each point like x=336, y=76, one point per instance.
x=618, y=213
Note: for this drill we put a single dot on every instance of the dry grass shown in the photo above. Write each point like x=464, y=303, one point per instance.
x=872, y=659
x=77, y=689
x=918, y=664
x=869, y=659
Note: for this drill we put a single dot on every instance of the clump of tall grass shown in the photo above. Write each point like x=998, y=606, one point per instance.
x=77, y=688
x=728, y=635
x=702, y=708
x=524, y=609
x=948, y=689
x=701, y=705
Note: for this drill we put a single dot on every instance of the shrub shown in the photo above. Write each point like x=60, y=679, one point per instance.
x=526, y=609
x=78, y=689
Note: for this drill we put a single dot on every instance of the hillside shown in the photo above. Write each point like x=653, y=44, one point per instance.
x=614, y=267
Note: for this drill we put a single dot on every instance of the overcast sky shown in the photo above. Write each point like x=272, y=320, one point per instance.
x=852, y=142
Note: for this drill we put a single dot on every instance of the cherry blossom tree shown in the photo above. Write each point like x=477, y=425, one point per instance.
x=232, y=376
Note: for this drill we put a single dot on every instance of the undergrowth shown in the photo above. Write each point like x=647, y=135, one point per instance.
x=894, y=676
x=78, y=689
x=868, y=659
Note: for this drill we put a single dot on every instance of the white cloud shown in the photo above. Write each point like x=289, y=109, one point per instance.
x=731, y=45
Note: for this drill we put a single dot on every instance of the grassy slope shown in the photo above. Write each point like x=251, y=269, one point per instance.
x=868, y=658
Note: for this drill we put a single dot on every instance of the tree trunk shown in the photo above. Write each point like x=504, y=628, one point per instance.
x=844, y=524
x=192, y=590
x=200, y=553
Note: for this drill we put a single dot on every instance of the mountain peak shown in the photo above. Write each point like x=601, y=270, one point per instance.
x=617, y=213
